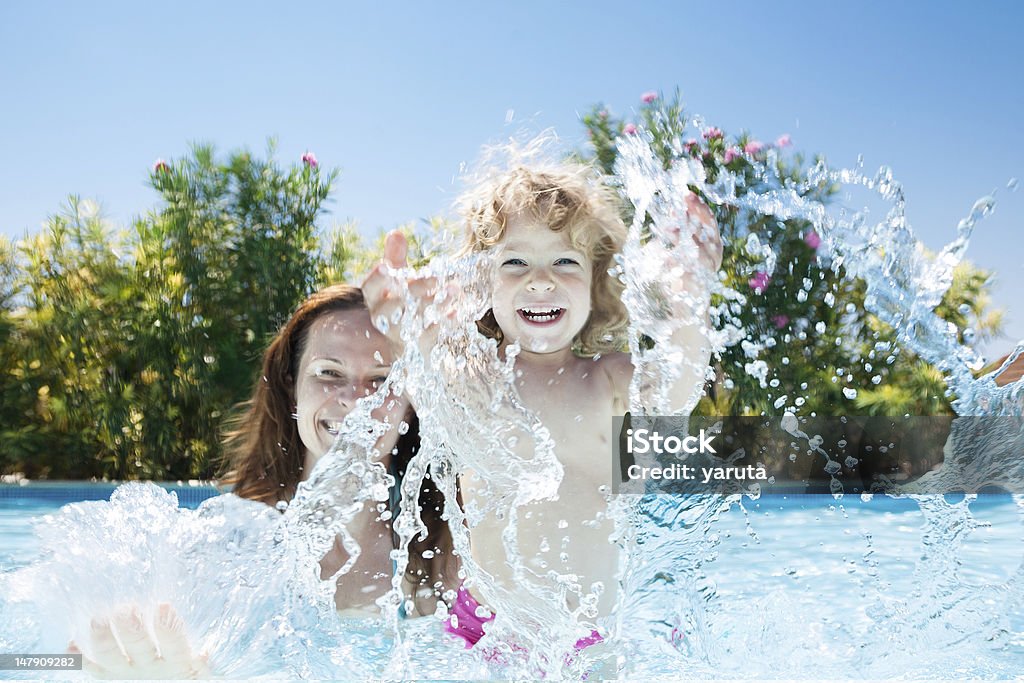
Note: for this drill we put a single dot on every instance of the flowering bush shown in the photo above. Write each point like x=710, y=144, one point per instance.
x=803, y=319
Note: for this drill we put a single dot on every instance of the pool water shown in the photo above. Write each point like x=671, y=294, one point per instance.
x=807, y=586
x=21, y=505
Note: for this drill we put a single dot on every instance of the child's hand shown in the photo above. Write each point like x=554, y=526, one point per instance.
x=122, y=647
x=702, y=227
x=661, y=255
x=706, y=234
x=384, y=292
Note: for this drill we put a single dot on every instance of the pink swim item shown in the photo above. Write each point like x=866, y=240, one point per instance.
x=470, y=626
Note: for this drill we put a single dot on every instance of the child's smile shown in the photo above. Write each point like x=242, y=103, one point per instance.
x=541, y=316
x=542, y=287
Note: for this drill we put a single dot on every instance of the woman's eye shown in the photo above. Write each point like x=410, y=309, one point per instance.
x=328, y=373
x=377, y=381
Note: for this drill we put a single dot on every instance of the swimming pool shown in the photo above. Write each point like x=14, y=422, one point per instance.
x=803, y=586
x=22, y=504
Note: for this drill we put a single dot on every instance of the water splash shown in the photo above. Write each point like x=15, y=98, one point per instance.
x=244, y=577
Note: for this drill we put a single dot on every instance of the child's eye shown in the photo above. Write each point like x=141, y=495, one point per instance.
x=514, y=262
x=566, y=261
x=377, y=381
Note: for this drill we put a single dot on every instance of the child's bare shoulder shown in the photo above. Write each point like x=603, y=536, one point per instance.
x=616, y=368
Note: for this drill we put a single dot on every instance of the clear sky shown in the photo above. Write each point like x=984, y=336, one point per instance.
x=398, y=95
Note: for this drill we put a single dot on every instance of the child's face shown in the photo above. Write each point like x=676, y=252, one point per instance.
x=542, y=287
x=344, y=359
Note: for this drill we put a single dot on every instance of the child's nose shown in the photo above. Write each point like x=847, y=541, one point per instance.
x=541, y=281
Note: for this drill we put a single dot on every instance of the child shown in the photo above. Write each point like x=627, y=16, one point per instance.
x=553, y=233
x=326, y=357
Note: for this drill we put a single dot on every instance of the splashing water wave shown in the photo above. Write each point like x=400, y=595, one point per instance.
x=711, y=586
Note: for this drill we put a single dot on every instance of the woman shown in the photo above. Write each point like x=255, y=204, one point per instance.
x=326, y=357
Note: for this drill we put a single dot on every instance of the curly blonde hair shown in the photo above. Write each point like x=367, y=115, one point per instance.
x=564, y=196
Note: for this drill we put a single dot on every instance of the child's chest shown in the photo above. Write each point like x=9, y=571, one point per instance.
x=577, y=409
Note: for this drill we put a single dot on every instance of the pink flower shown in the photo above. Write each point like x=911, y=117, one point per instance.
x=812, y=239
x=690, y=145
x=160, y=166
x=780, y=321
x=629, y=129
x=603, y=114
x=753, y=147
x=648, y=97
x=759, y=282
x=712, y=133
x=731, y=154
x=784, y=141
x=309, y=159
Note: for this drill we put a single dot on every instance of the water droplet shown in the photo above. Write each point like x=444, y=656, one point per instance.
x=1012, y=185
x=819, y=327
x=877, y=379
x=964, y=309
x=850, y=393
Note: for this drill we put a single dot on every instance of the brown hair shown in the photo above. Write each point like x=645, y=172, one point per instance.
x=262, y=449
x=263, y=455
x=563, y=196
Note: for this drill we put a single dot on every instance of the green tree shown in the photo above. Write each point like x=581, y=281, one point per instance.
x=128, y=348
x=805, y=320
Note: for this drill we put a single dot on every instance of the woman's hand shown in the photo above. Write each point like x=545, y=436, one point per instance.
x=125, y=646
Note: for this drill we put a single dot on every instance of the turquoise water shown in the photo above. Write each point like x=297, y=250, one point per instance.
x=22, y=505
x=797, y=584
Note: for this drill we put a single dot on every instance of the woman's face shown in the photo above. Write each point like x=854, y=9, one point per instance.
x=344, y=359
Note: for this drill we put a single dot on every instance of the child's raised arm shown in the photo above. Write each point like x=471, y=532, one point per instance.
x=689, y=295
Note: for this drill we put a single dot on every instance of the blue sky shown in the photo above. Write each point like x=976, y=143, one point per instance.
x=398, y=95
